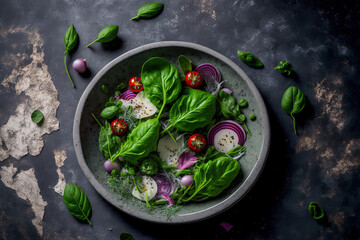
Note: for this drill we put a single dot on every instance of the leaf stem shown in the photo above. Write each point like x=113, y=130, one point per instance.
x=293, y=123
x=96, y=120
x=91, y=43
x=66, y=53
x=134, y=18
x=247, y=129
x=166, y=129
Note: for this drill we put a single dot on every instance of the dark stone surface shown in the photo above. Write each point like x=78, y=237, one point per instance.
x=320, y=164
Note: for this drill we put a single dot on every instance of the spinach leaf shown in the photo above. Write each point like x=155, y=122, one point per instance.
x=70, y=40
x=108, y=142
x=126, y=236
x=77, y=202
x=213, y=177
x=161, y=81
x=285, y=68
x=107, y=34
x=293, y=102
x=250, y=59
x=140, y=142
x=37, y=116
x=315, y=210
x=149, y=10
x=185, y=64
x=192, y=111
x=211, y=154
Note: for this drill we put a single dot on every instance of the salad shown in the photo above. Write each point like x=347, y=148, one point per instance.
x=168, y=139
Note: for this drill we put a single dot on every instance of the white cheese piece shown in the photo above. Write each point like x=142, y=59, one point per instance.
x=147, y=187
x=142, y=106
x=169, y=151
x=225, y=140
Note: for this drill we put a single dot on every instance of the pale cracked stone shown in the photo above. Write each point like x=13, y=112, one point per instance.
x=26, y=186
x=20, y=136
x=60, y=157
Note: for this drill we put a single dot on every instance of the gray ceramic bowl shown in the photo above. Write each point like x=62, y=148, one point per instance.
x=86, y=130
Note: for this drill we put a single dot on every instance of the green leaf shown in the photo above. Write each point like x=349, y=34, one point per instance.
x=105, y=89
x=107, y=34
x=185, y=64
x=141, y=141
x=126, y=236
x=192, y=111
x=236, y=151
x=293, y=102
x=109, y=112
x=149, y=167
x=285, y=68
x=219, y=173
x=315, y=210
x=70, y=39
x=108, y=143
x=161, y=81
x=149, y=10
x=37, y=116
x=77, y=202
x=250, y=59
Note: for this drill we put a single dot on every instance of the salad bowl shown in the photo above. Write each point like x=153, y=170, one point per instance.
x=121, y=69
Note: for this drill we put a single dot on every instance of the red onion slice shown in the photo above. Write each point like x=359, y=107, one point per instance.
x=127, y=95
x=227, y=124
x=212, y=77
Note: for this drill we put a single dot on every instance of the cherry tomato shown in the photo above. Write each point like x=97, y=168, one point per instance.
x=135, y=84
x=193, y=79
x=118, y=126
x=197, y=142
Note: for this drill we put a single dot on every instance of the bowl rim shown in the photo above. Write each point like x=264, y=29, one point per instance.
x=199, y=215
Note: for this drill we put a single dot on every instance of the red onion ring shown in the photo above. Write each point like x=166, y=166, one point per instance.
x=127, y=95
x=227, y=124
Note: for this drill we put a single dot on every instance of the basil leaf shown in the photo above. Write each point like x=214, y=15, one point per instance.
x=109, y=112
x=77, y=202
x=108, y=142
x=249, y=59
x=37, y=116
x=285, y=68
x=161, y=81
x=107, y=34
x=149, y=10
x=315, y=210
x=193, y=111
x=141, y=141
x=126, y=236
x=185, y=64
x=70, y=39
x=293, y=102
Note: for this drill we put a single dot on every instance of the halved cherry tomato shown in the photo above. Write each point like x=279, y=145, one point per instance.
x=135, y=84
x=197, y=142
x=119, y=126
x=193, y=79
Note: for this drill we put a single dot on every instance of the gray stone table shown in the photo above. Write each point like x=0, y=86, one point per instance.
x=321, y=164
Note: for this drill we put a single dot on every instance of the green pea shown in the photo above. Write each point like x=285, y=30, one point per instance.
x=243, y=102
x=252, y=117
